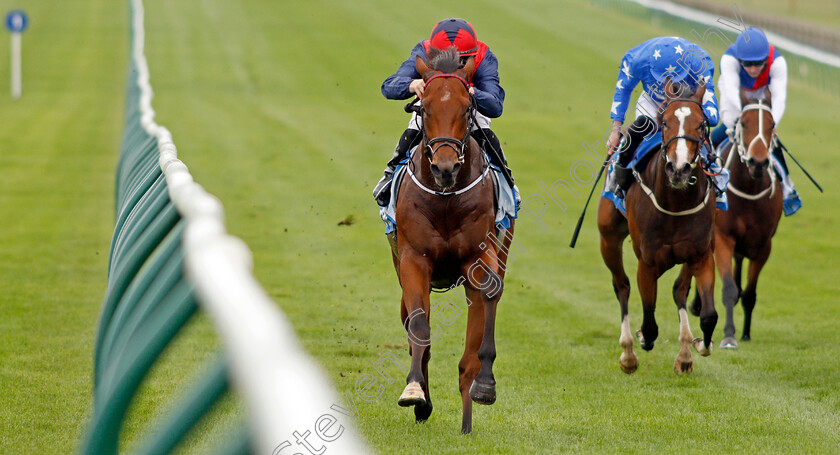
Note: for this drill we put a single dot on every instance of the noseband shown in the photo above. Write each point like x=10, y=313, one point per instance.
x=460, y=145
x=697, y=140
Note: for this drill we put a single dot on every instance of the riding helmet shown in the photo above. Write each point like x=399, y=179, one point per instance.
x=752, y=45
x=455, y=32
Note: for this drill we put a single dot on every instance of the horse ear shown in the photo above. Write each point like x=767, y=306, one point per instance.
x=699, y=93
x=421, y=66
x=467, y=70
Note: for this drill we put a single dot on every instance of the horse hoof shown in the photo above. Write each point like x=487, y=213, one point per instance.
x=483, y=393
x=729, y=343
x=645, y=345
x=422, y=413
x=745, y=338
x=701, y=348
x=681, y=367
x=412, y=395
x=629, y=363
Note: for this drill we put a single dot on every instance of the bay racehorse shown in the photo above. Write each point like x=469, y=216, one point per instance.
x=446, y=236
x=670, y=216
x=755, y=207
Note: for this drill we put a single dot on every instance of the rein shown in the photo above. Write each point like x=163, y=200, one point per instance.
x=663, y=151
x=459, y=145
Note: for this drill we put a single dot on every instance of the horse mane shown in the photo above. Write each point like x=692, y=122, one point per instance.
x=446, y=61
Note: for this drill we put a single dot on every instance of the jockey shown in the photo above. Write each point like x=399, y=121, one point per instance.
x=754, y=65
x=489, y=95
x=654, y=63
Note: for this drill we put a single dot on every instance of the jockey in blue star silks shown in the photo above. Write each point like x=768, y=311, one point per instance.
x=653, y=63
x=755, y=66
x=407, y=82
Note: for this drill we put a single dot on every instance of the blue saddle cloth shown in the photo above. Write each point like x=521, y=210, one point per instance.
x=506, y=200
x=650, y=144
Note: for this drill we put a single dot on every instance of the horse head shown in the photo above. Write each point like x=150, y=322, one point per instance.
x=683, y=131
x=446, y=110
x=754, y=136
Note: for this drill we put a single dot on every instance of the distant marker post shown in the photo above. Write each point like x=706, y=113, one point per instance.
x=16, y=23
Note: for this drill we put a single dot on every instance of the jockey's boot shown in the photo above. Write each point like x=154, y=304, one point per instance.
x=639, y=129
x=382, y=191
x=791, y=202
x=489, y=142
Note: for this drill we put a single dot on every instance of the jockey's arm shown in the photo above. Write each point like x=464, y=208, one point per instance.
x=710, y=102
x=624, y=86
x=778, y=88
x=489, y=94
x=730, y=90
x=396, y=86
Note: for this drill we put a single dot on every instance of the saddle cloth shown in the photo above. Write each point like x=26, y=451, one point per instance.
x=506, y=201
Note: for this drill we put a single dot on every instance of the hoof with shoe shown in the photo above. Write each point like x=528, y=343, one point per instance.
x=412, y=395
x=729, y=343
x=701, y=348
x=629, y=362
x=483, y=393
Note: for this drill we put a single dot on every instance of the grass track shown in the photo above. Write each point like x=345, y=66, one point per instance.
x=275, y=107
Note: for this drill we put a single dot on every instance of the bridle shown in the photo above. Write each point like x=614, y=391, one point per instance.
x=432, y=145
x=460, y=145
x=744, y=151
x=697, y=140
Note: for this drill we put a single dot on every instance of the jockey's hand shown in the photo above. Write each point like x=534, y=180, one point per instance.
x=417, y=87
x=472, y=90
x=615, y=138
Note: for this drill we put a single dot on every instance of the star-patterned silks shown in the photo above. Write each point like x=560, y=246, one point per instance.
x=657, y=55
x=618, y=85
x=671, y=68
x=625, y=68
x=614, y=108
x=679, y=50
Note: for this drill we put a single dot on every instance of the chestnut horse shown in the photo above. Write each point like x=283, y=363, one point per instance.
x=445, y=236
x=755, y=207
x=670, y=219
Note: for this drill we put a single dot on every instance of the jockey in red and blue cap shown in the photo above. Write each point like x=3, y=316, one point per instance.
x=407, y=82
x=755, y=66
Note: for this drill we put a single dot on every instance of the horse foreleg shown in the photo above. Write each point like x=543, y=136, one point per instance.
x=484, y=278
x=749, y=297
x=724, y=250
x=646, y=277
x=414, y=278
x=704, y=274
x=469, y=365
x=612, y=238
x=683, y=364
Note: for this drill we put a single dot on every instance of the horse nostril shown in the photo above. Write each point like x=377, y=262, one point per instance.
x=669, y=168
x=685, y=169
x=435, y=169
x=455, y=168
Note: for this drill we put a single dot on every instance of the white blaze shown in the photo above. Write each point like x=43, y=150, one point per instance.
x=682, y=144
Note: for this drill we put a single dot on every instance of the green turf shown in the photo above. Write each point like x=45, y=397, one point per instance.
x=275, y=107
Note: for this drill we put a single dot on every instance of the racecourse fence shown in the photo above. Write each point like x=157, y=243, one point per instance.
x=170, y=256
x=812, y=52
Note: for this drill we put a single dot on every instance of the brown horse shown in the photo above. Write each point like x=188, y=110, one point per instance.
x=670, y=218
x=755, y=207
x=445, y=236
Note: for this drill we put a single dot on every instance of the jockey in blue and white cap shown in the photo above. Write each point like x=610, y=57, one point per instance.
x=755, y=66
x=407, y=82
x=653, y=63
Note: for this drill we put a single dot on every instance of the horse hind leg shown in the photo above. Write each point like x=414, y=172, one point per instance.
x=469, y=365
x=724, y=250
x=683, y=363
x=748, y=298
x=612, y=238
